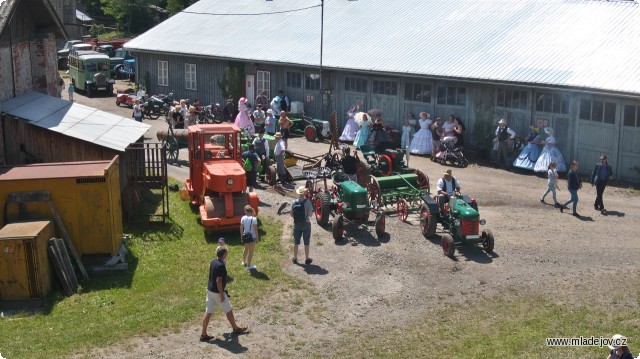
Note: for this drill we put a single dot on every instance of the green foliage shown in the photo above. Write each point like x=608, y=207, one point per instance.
x=231, y=82
x=131, y=16
x=96, y=30
x=162, y=289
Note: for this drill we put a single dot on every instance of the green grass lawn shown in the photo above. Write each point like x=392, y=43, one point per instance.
x=163, y=288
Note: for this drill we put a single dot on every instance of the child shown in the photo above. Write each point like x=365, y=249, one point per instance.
x=71, y=90
x=407, y=135
x=552, y=183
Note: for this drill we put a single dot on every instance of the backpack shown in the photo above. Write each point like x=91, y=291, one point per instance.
x=298, y=211
x=283, y=104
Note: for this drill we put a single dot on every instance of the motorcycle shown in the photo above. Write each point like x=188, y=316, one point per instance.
x=213, y=113
x=159, y=105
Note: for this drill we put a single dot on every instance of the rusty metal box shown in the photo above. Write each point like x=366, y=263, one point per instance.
x=25, y=272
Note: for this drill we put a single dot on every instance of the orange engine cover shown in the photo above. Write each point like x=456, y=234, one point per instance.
x=225, y=177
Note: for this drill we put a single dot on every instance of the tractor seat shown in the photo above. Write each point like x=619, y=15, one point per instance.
x=339, y=177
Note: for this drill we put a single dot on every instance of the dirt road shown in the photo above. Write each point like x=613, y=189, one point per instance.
x=365, y=286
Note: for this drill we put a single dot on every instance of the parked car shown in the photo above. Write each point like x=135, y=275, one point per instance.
x=114, y=60
x=63, y=54
x=90, y=72
x=127, y=70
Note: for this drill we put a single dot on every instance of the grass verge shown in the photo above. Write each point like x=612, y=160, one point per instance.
x=503, y=328
x=163, y=289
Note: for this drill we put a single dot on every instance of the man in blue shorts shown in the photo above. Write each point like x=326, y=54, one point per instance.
x=301, y=210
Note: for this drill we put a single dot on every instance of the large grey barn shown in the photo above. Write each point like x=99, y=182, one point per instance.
x=572, y=62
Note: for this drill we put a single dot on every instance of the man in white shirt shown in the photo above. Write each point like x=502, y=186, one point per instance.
x=504, y=136
x=447, y=186
x=279, y=151
x=258, y=117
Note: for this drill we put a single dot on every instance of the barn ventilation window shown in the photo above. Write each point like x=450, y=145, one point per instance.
x=552, y=103
x=389, y=88
x=417, y=92
x=515, y=99
x=598, y=111
x=631, y=116
x=453, y=96
x=355, y=84
x=294, y=80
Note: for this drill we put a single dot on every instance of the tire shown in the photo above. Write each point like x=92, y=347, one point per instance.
x=337, y=228
x=153, y=114
x=89, y=91
x=488, y=241
x=448, y=246
x=322, y=207
x=110, y=90
x=402, y=209
x=310, y=133
x=428, y=222
x=118, y=103
x=382, y=160
x=380, y=225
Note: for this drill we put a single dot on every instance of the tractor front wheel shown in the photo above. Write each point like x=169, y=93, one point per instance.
x=380, y=225
x=337, y=228
x=323, y=207
x=448, y=246
x=487, y=241
x=428, y=221
x=310, y=133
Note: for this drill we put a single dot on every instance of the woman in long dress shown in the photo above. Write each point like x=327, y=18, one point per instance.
x=242, y=119
x=422, y=140
x=530, y=153
x=550, y=153
x=351, y=127
x=363, y=133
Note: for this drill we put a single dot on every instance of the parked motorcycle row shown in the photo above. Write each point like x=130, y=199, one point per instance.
x=161, y=104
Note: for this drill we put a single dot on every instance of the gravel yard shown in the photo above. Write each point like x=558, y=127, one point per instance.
x=367, y=286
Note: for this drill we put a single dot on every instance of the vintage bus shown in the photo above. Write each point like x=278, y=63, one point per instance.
x=90, y=72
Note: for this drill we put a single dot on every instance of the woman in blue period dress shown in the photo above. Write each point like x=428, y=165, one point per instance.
x=242, y=119
x=351, y=127
x=422, y=140
x=530, y=153
x=550, y=153
x=363, y=134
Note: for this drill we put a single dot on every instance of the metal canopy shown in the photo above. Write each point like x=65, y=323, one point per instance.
x=75, y=120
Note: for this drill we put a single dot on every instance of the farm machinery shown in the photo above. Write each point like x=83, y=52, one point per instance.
x=404, y=191
x=346, y=201
x=460, y=217
x=217, y=180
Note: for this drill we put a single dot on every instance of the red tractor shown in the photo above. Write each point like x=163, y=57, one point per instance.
x=217, y=180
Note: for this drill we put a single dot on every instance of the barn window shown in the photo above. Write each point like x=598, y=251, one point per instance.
x=515, y=99
x=389, y=88
x=632, y=116
x=190, y=77
x=312, y=82
x=417, y=92
x=454, y=96
x=355, y=84
x=294, y=80
x=552, y=103
x=598, y=111
x=163, y=73
x=264, y=82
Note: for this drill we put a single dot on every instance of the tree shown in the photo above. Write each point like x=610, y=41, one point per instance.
x=132, y=16
x=231, y=82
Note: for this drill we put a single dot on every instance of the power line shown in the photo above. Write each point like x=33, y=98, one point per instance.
x=251, y=14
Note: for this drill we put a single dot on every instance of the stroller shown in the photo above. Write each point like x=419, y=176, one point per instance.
x=450, y=153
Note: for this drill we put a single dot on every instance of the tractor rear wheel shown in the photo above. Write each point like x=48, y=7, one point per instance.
x=310, y=133
x=323, y=207
x=428, y=221
x=373, y=189
x=402, y=209
x=337, y=228
x=448, y=246
x=380, y=225
x=487, y=241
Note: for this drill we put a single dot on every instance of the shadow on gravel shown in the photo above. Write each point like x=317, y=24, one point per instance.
x=613, y=213
x=584, y=218
x=360, y=234
x=475, y=253
x=230, y=343
x=179, y=163
x=314, y=269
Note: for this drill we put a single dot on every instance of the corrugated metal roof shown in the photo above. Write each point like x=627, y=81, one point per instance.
x=575, y=43
x=82, y=16
x=75, y=120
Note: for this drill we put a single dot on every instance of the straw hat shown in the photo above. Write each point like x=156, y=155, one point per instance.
x=502, y=122
x=278, y=135
x=301, y=190
x=448, y=172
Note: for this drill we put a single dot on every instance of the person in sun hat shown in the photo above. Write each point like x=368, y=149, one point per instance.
x=503, y=138
x=279, y=152
x=301, y=210
x=217, y=295
x=550, y=153
x=619, y=348
x=242, y=119
x=447, y=186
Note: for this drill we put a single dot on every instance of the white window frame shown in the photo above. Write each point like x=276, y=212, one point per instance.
x=263, y=82
x=190, y=77
x=163, y=73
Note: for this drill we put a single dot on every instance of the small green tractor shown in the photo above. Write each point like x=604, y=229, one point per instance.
x=346, y=201
x=460, y=217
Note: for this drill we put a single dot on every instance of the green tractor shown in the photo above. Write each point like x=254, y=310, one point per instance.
x=460, y=217
x=346, y=201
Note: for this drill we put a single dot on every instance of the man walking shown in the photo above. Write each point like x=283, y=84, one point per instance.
x=301, y=210
x=573, y=185
x=601, y=174
x=217, y=296
x=504, y=135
